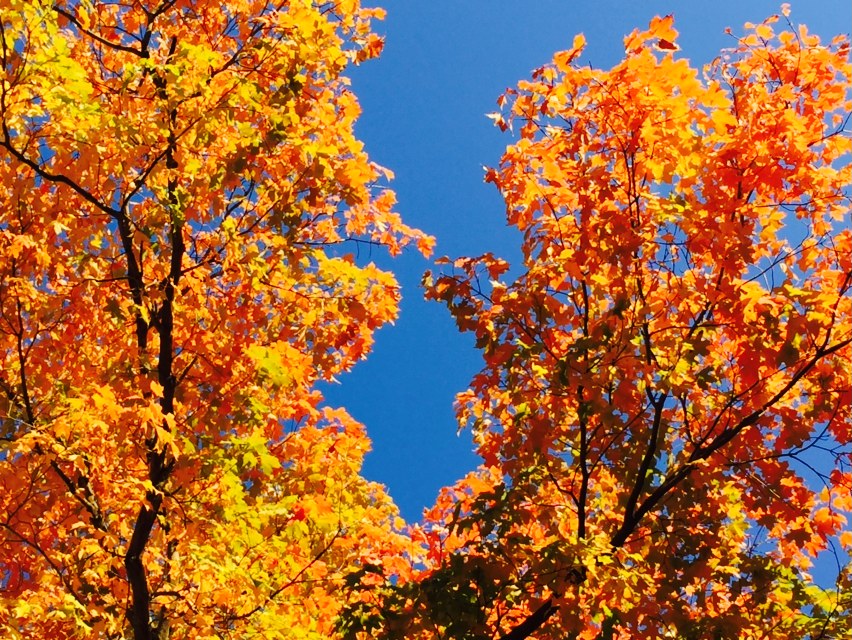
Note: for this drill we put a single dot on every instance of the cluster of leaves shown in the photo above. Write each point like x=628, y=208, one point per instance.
x=665, y=408
x=179, y=179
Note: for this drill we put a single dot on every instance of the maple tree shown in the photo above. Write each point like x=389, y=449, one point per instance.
x=179, y=181
x=664, y=408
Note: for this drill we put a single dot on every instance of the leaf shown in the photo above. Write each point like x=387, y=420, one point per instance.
x=666, y=45
x=271, y=362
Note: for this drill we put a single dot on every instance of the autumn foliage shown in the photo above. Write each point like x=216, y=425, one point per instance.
x=180, y=183
x=664, y=408
x=664, y=412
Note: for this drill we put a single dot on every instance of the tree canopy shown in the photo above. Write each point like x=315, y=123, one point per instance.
x=664, y=408
x=178, y=179
x=664, y=413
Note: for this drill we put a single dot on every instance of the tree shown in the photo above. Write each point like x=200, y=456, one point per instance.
x=663, y=412
x=179, y=179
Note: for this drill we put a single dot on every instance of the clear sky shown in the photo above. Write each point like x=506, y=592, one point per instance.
x=444, y=65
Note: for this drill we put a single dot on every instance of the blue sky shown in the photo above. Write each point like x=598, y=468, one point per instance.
x=444, y=65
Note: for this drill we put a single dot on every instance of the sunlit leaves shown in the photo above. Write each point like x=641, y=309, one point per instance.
x=666, y=377
x=183, y=199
